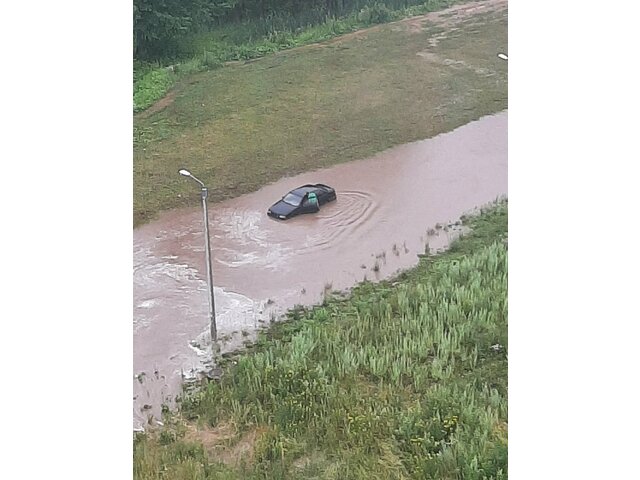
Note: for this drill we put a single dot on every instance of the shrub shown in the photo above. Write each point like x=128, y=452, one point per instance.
x=151, y=86
x=377, y=13
x=194, y=65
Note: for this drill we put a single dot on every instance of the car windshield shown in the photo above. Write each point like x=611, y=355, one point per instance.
x=292, y=199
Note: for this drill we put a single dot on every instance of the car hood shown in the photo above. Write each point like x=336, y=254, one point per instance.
x=282, y=208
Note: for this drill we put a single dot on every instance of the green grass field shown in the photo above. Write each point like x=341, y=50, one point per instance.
x=248, y=124
x=257, y=38
x=403, y=379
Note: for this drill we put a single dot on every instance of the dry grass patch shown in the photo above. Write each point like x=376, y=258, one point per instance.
x=224, y=444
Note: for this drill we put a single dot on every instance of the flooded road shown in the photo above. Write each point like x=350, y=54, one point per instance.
x=387, y=210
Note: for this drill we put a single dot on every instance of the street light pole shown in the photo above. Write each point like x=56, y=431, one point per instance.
x=207, y=248
x=204, y=192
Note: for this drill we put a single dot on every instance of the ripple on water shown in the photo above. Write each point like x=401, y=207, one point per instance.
x=242, y=226
x=347, y=216
x=270, y=258
x=152, y=281
x=159, y=274
x=243, y=238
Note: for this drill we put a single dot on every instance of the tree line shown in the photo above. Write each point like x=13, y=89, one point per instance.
x=159, y=23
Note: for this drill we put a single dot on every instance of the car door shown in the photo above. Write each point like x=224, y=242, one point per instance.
x=321, y=193
x=307, y=206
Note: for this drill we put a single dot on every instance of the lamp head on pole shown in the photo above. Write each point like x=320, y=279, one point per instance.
x=187, y=173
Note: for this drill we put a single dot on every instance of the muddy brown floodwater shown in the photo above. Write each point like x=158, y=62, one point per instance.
x=387, y=210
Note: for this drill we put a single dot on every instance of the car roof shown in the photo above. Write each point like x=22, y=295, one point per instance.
x=302, y=191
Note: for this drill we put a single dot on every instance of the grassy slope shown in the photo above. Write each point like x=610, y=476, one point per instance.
x=239, y=127
x=399, y=380
x=244, y=41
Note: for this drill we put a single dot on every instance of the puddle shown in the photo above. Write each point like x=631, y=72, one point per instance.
x=389, y=208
